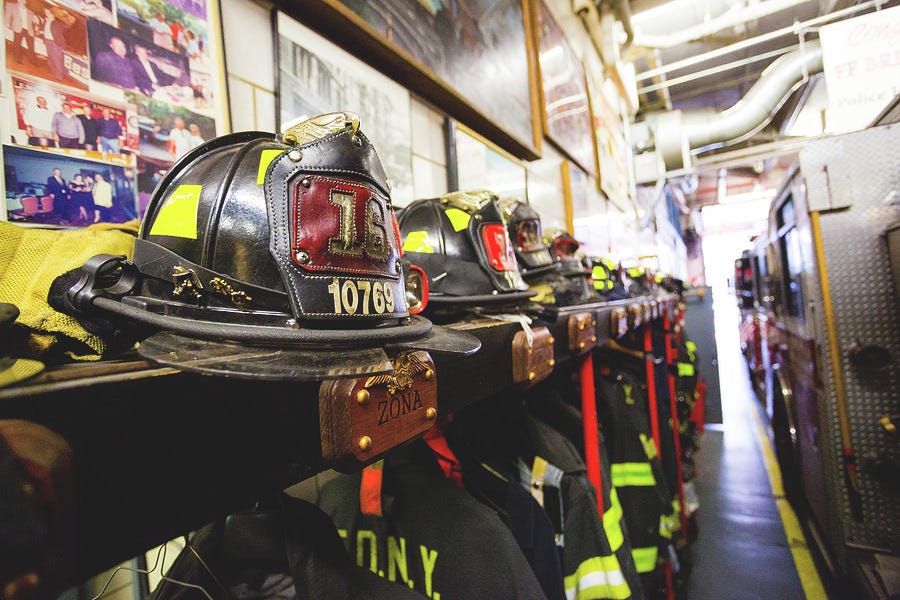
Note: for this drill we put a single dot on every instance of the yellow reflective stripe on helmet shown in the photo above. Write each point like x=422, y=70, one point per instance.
x=177, y=217
x=645, y=558
x=458, y=218
x=417, y=241
x=612, y=521
x=649, y=446
x=685, y=369
x=597, y=577
x=632, y=474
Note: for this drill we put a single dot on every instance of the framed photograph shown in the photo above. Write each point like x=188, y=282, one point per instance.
x=472, y=59
x=166, y=131
x=481, y=165
x=565, y=108
x=612, y=151
x=586, y=210
x=149, y=173
x=46, y=40
x=55, y=189
x=102, y=10
x=179, y=27
x=142, y=82
x=46, y=115
x=316, y=77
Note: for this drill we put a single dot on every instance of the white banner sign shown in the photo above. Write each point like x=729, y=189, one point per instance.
x=862, y=67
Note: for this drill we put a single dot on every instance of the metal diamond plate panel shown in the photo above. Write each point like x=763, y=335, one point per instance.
x=857, y=176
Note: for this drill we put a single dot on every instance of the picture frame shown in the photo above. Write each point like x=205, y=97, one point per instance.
x=38, y=102
x=48, y=188
x=479, y=164
x=565, y=105
x=586, y=210
x=105, y=130
x=609, y=137
x=46, y=40
x=477, y=65
x=314, y=76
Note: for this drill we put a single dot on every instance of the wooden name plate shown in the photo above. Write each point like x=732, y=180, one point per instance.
x=618, y=322
x=534, y=362
x=361, y=419
x=635, y=315
x=582, y=332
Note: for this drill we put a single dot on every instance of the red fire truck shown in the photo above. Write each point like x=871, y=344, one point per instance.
x=821, y=336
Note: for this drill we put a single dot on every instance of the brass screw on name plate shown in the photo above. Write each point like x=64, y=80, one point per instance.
x=362, y=396
x=365, y=442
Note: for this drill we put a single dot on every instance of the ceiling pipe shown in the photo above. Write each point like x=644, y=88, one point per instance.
x=756, y=108
x=794, y=29
x=680, y=134
x=735, y=16
x=590, y=10
x=622, y=10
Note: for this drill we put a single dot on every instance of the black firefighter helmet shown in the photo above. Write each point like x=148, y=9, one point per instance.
x=261, y=240
x=524, y=225
x=461, y=242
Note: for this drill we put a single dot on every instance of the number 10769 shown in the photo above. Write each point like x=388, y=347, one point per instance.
x=361, y=297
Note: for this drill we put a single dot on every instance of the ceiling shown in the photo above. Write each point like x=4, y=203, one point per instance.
x=669, y=32
x=671, y=22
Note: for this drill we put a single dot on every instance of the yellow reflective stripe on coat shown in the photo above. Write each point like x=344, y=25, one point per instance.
x=612, y=521
x=685, y=369
x=691, y=350
x=645, y=559
x=649, y=446
x=632, y=474
x=670, y=523
x=597, y=577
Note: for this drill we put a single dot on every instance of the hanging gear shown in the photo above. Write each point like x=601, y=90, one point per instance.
x=31, y=260
x=430, y=535
x=290, y=551
x=461, y=242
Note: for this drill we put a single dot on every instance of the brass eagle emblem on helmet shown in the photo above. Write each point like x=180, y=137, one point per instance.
x=316, y=128
x=406, y=366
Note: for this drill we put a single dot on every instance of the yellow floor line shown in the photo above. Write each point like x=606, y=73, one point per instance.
x=806, y=568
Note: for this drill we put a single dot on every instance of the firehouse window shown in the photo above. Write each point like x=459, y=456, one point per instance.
x=793, y=268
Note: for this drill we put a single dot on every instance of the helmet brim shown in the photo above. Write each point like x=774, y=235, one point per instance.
x=442, y=340
x=232, y=359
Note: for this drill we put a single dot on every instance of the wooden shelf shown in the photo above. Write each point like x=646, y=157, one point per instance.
x=159, y=452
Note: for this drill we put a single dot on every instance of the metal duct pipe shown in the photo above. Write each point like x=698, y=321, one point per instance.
x=622, y=10
x=754, y=111
x=678, y=134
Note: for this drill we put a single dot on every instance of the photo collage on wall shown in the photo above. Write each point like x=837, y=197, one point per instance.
x=103, y=96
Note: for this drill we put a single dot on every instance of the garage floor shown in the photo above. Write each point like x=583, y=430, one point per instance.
x=742, y=550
